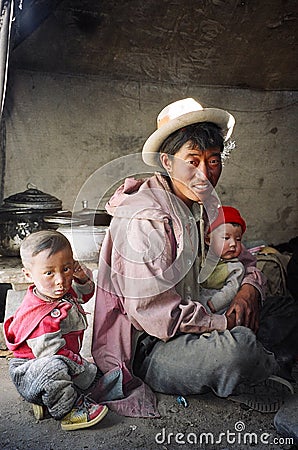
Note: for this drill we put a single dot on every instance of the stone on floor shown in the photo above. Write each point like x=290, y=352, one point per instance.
x=286, y=419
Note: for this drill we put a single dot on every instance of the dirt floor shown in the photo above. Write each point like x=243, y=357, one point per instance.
x=207, y=423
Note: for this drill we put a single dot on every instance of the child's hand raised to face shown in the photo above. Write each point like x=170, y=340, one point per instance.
x=80, y=273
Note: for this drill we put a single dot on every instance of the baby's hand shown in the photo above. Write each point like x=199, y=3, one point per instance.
x=80, y=273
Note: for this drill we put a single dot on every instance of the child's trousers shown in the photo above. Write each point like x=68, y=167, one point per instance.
x=47, y=381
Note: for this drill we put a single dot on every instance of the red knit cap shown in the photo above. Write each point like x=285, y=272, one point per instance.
x=227, y=214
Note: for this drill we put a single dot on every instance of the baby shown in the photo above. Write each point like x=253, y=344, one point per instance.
x=46, y=332
x=224, y=240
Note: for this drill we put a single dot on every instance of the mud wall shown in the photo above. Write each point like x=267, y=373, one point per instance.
x=61, y=129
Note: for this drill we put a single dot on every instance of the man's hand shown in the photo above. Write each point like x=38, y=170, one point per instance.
x=244, y=308
x=231, y=321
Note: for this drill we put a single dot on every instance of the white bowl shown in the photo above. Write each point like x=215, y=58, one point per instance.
x=85, y=240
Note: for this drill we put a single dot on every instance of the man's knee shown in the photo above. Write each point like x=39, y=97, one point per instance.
x=247, y=353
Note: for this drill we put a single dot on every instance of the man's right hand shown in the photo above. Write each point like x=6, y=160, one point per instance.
x=245, y=306
x=231, y=320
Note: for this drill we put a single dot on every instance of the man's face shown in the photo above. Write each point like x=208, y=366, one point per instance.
x=194, y=172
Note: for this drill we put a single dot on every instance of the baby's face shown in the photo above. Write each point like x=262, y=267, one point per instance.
x=226, y=241
x=52, y=275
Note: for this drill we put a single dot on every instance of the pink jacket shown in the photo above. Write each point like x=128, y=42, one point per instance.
x=144, y=281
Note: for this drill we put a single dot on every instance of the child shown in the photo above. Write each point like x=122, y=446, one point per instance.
x=46, y=333
x=224, y=240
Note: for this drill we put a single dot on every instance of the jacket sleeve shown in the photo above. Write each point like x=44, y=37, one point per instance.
x=253, y=275
x=142, y=270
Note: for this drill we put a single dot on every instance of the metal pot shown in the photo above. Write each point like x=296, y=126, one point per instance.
x=94, y=217
x=85, y=230
x=22, y=214
x=65, y=219
x=85, y=240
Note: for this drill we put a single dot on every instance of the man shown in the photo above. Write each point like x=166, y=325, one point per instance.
x=149, y=321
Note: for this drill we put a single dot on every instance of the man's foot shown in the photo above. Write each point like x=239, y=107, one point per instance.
x=84, y=414
x=38, y=411
x=266, y=397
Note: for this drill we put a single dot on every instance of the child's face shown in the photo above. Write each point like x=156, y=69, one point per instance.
x=225, y=241
x=52, y=275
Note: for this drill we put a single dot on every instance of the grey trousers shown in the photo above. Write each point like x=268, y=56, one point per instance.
x=193, y=364
x=46, y=381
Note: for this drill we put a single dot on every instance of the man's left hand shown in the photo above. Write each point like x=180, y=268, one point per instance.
x=245, y=306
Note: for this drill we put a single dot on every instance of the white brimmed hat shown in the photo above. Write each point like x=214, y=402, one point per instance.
x=178, y=115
